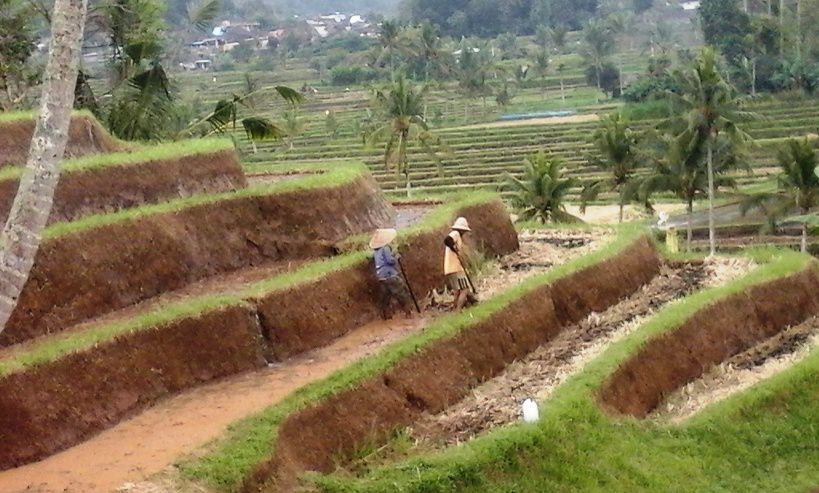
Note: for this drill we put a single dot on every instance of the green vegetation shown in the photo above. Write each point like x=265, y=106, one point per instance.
x=540, y=195
x=761, y=440
x=252, y=440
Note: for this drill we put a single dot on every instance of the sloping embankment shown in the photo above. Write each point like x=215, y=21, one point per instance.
x=708, y=337
x=426, y=376
x=85, y=136
x=112, y=182
x=53, y=397
x=104, y=263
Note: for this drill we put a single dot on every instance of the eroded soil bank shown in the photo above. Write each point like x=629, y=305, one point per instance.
x=444, y=372
x=711, y=336
x=498, y=401
x=149, y=442
x=85, y=136
x=761, y=362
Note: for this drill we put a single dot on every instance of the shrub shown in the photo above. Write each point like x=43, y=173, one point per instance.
x=342, y=76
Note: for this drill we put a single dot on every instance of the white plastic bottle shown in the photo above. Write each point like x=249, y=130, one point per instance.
x=530, y=411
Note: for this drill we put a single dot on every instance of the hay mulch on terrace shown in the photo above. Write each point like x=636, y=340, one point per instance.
x=497, y=402
x=761, y=362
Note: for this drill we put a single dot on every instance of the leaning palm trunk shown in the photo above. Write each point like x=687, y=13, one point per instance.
x=712, y=239
x=21, y=235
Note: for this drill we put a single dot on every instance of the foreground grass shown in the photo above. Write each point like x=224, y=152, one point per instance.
x=252, y=440
x=763, y=440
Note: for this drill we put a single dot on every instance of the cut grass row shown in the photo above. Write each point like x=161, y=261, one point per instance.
x=761, y=440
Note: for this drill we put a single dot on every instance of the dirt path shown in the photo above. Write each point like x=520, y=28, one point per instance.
x=497, y=402
x=741, y=372
x=149, y=443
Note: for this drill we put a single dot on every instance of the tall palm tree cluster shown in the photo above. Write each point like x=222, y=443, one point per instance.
x=688, y=156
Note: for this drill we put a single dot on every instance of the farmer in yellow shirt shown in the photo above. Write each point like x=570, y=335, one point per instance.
x=454, y=269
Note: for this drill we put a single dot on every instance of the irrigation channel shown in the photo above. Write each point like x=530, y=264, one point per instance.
x=124, y=457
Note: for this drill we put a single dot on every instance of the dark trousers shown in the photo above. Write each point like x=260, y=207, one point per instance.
x=394, y=289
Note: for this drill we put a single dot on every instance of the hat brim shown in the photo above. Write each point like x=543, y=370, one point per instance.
x=383, y=238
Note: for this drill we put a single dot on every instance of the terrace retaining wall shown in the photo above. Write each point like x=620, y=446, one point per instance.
x=713, y=334
x=53, y=405
x=82, y=275
x=85, y=136
x=113, y=188
x=434, y=377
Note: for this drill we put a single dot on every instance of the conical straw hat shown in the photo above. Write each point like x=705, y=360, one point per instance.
x=382, y=238
x=461, y=224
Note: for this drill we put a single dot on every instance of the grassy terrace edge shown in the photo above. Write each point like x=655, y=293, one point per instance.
x=159, y=152
x=49, y=350
x=337, y=176
x=248, y=442
x=744, y=442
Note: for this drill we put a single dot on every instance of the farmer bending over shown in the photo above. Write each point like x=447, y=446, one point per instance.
x=454, y=270
x=390, y=282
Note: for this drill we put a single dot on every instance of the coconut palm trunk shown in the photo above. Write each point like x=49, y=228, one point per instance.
x=689, y=224
x=22, y=233
x=804, y=237
x=712, y=240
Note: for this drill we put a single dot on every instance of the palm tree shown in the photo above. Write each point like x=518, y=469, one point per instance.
x=561, y=69
x=681, y=169
x=389, y=36
x=543, y=36
x=541, y=64
x=227, y=111
x=401, y=111
x=599, y=45
x=22, y=232
x=617, y=145
x=473, y=73
x=558, y=35
x=429, y=46
x=709, y=109
x=293, y=126
x=620, y=25
x=541, y=193
x=797, y=187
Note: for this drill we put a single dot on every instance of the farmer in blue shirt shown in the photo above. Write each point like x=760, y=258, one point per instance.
x=391, y=284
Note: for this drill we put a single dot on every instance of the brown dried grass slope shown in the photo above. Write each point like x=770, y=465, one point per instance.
x=708, y=337
x=85, y=136
x=105, y=263
x=60, y=392
x=113, y=182
x=443, y=370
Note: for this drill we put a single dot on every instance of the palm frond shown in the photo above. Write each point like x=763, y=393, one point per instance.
x=257, y=129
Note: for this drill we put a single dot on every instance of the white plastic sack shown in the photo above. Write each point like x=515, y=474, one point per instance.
x=530, y=411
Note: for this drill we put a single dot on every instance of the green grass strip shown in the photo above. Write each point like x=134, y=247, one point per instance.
x=251, y=440
x=159, y=152
x=761, y=440
x=336, y=177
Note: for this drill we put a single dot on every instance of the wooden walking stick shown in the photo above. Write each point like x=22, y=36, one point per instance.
x=409, y=287
x=450, y=243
